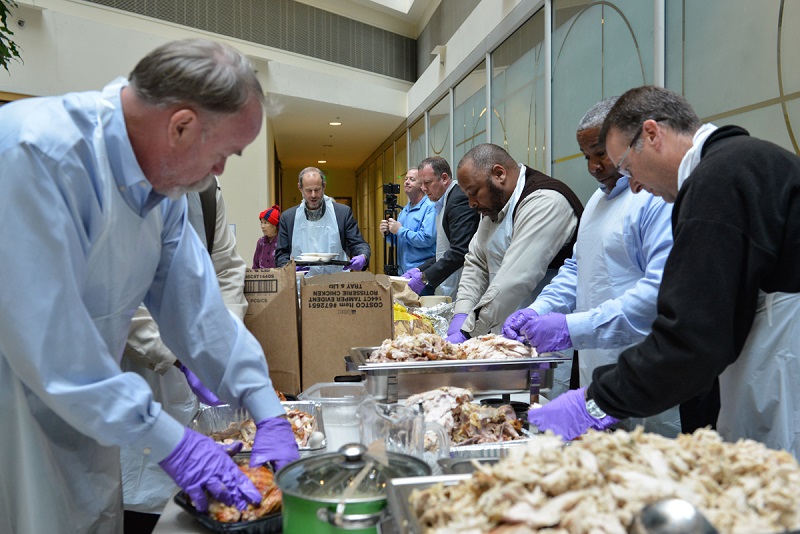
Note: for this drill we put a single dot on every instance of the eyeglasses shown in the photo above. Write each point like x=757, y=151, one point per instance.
x=626, y=172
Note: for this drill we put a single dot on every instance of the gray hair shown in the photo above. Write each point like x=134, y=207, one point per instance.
x=597, y=114
x=308, y=170
x=439, y=166
x=484, y=157
x=213, y=76
x=649, y=102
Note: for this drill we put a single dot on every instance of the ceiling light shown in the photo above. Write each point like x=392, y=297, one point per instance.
x=322, y=161
x=337, y=122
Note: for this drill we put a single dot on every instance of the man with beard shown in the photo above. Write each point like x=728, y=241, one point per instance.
x=318, y=224
x=528, y=226
x=95, y=223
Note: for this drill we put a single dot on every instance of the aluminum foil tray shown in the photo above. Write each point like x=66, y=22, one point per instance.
x=210, y=419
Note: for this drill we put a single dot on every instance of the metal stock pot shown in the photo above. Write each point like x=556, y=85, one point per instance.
x=313, y=487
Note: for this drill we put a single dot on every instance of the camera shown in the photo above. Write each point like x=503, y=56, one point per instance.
x=390, y=192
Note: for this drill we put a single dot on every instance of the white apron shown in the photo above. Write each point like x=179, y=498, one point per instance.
x=318, y=236
x=450, y=285
x=605, y=273
x=759, y=393
x=69, y=482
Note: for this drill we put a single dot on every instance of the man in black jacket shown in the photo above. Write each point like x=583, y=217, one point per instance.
x=728, y=305
x=456, y=223
x=319, y=224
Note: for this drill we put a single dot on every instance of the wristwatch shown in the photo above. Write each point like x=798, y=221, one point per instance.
x=594, y=410
x=423, y=278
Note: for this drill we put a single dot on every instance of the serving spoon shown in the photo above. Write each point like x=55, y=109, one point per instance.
x=671, y=516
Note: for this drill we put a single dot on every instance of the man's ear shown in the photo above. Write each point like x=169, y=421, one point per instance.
x=498, y=173
x=184, y=127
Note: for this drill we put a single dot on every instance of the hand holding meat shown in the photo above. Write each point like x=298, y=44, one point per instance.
x=205, y=395
x=414, y=277
x=566, y=415
x=198, y=465
x=274, y=443
x=547, y=333
x=515, y=321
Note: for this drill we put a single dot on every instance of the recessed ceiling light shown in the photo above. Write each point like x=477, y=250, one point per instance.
x=335, y=123
x=322, y=161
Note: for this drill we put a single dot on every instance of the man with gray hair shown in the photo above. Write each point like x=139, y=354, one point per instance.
x=318, y=224
x=95, y=224
x=603, y=300
x=729, y=302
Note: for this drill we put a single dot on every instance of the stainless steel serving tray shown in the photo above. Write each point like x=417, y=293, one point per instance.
x=392, y=380
x=210, y=419
x=360, y=356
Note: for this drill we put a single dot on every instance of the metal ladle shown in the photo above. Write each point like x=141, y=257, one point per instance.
x=671, y=516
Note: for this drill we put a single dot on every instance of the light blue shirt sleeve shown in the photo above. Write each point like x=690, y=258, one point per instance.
x=416, y=238
x=559, y=295
x=627, y=319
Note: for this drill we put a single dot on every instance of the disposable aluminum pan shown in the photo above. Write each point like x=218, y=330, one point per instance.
x=210, y=419
x=389, y=381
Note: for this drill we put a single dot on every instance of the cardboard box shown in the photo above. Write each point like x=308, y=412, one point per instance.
x=338, y=312
x=272, y=318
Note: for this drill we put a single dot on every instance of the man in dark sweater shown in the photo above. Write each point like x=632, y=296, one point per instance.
x=728, y=304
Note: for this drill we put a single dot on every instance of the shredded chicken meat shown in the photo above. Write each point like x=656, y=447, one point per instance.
x=427, y=347
x=271, y=499
x=599, y=483
x=303, y=425
x=465, y=422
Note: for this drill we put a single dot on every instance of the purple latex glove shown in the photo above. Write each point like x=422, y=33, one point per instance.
x=454, y=333
x=274, y=443
x=359, y=263
x=205, y=395
x=456, y=323
x=511, y=328
x=456, y=338
x=566, y=416
x=547, y=332
x=199, y=465
x=301, y=268
x=414, y=277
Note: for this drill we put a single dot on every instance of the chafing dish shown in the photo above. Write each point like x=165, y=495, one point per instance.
x=392, y=380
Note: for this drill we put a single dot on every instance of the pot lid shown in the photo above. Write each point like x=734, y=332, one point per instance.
x=325, y=477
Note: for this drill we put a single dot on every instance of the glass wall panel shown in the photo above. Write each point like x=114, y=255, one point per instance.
x=401, y=155
x=728, y=78
x=439, y=129
x=518, y=87
x=418, y=152
x=600, y=49
x=470, y=107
